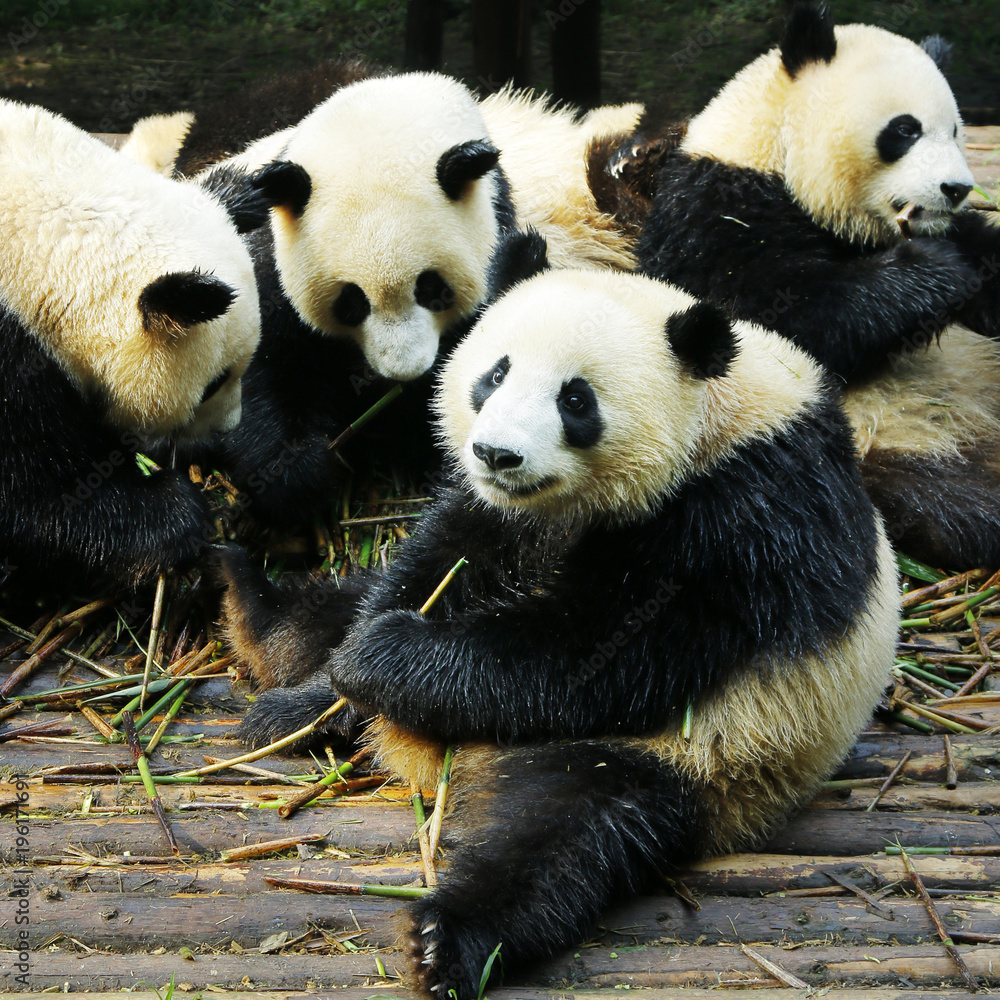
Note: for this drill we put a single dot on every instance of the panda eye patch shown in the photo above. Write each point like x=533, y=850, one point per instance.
x=895, y=140
x=352, y=306
x=214, y=386
x=489, y=382
x=581, y=417
x=433, y=292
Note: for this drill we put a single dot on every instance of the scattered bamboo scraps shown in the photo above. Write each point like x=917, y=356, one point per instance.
x=142, y=765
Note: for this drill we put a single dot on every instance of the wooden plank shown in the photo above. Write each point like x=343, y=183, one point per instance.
x=750, y=874
x=967, y=797
x=140, y=921
x=985, y=163
x=876, y=754
x=664, y=969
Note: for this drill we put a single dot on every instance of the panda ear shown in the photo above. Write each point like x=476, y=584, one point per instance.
x=244, y=203
x=703, y=339
x=517, y=257
x=808, y=37
x=462, y=164
x=284, y=185
x=939, y=49
x=174, y=302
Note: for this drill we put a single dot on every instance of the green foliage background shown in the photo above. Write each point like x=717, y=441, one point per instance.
x=104, y=63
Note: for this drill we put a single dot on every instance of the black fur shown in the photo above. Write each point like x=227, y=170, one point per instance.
x=460, y=165
x=939, y=49
x=808, y=37
x=770, y=553
x=519, y=256
x=74, y=507
x=943, y=511
x=736, y=236
x=898, y=138
x=285, y=184
x=580, y=414
x=488, y=382
x=232, y=188
x=703, y=338
x=174, y=302
x=978, y=304
x=605, y=818
x=301, y=391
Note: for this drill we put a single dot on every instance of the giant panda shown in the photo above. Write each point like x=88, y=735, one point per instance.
x=387, y=201
x=662, y=515
x=129, y=314
x=823, y=193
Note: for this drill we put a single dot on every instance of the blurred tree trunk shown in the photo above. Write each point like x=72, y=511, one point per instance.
x=576, y=50
x=424, y=34
x=501, y=43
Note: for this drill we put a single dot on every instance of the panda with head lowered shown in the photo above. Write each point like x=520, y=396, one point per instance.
x=696, y=540
x=387, y=201
x=823, y=194
x=129, y=314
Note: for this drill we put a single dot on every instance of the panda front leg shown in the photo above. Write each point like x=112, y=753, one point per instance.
x=283, y=635
x=544, y=838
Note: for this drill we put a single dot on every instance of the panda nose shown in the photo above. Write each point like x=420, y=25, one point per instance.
x=497, y=458
x=956, y=193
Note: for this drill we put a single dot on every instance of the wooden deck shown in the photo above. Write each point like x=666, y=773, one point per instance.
x=109, y=907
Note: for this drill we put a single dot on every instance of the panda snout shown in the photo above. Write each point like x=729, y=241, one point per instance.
x=955, y=193
x=497, y=458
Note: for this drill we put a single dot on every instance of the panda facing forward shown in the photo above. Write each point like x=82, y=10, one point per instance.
x=128, y=311
x=785, y=201
x=660, y=509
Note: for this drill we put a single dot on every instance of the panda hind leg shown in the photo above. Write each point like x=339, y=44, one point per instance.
x=282, y=635
x=546, y=838
x=945, y=512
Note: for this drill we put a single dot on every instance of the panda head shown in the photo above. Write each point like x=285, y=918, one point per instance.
x=581, y=395
x=383, y=216
x=138, y=287
x=859, y=122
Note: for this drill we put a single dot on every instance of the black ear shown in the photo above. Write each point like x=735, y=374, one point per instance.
x=244, y=202
x=808, y=37
x=284, y=184
x=517, y=257
x=703, y=338
x=174, y=302
x=938, y=49
x=468, y=161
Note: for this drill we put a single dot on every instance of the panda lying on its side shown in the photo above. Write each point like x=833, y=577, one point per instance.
x=128, y=313
x=780, y=203
x=387, y=202
x=659, y=509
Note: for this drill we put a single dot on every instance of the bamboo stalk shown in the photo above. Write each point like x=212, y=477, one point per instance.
x=426, y=857
x=951, y=779
x=949, y=945
x=297, y=801
x=154, y=632
x=915, y=597
x=270, y=847
x=888, y=781
x=142, y=766
x=253, y=755
x=440, y=799
x=347, y=888
x=30, y=665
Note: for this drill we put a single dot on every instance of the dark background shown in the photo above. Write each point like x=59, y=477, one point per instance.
x=103, y=63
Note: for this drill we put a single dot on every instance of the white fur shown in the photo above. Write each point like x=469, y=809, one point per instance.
x=156, y=140
x=819, y=131
x=377, y=216
x=543, y=152
x=660, y=423
x=83, y=230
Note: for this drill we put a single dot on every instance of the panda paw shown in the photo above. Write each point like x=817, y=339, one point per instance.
x=445, y=958
x=281, y=711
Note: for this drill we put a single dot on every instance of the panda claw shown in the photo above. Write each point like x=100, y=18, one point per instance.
x=427, y=928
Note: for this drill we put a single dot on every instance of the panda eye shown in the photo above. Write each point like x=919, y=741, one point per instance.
x=432, y=292
x=499, y=374
x=908, y=128
x=352, y=306
x=574, y=401
x=954, y=132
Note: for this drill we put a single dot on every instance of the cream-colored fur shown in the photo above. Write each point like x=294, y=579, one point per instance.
x=156, y=140
x=943, y=401
x=818, y=131
x=762, y=745
x=377, y=216
x=543, y=153
x=660, y=424
x=83, y=230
